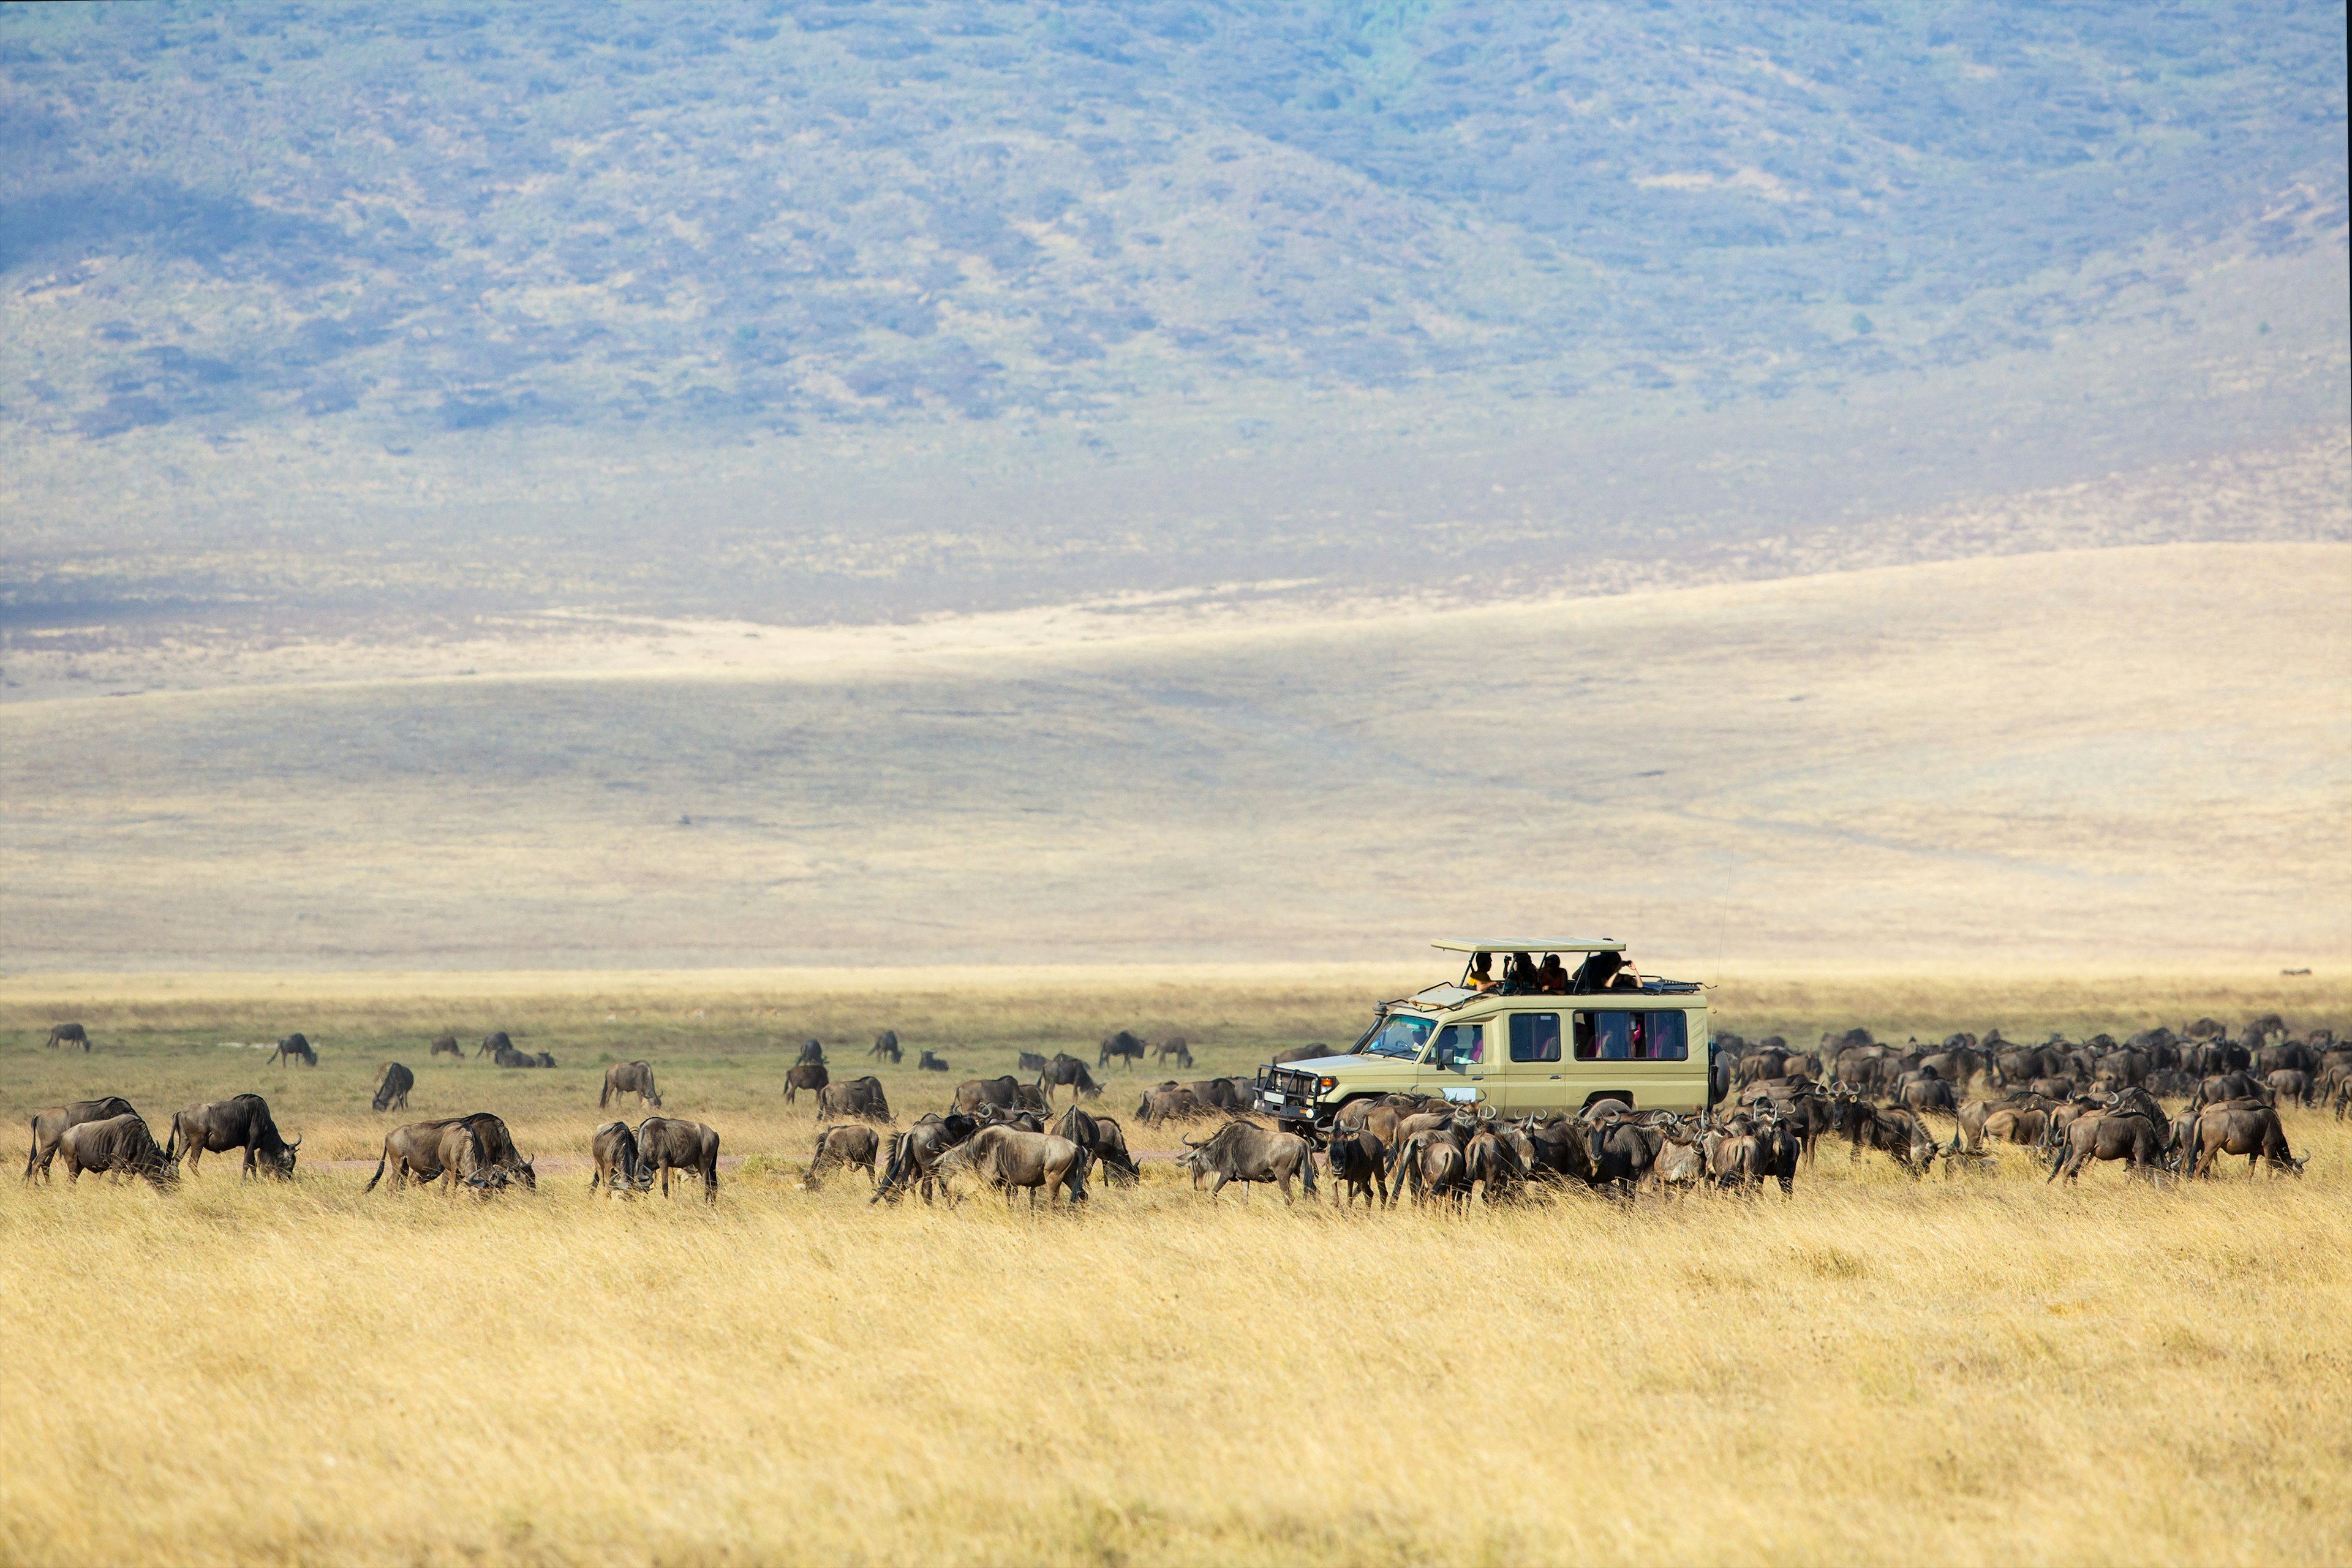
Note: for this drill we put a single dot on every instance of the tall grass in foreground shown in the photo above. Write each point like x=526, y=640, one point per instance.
x=1983, y=1369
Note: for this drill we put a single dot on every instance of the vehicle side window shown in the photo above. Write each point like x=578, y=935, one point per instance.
x=1535, y=1036
x=1461, y=1045
x=1632, y=1037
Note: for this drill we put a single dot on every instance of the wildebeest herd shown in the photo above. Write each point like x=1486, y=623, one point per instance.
x=2068, y=1103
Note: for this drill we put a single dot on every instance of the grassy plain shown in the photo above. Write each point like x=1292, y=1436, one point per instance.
x=1976, y=1370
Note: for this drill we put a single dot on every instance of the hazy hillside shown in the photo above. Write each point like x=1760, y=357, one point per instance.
x=859, y=308
x=2103, y=755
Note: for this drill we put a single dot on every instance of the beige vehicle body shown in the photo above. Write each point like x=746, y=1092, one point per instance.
x=1516, y=1049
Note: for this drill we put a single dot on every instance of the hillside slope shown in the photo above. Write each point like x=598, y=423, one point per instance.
x=2112, y=754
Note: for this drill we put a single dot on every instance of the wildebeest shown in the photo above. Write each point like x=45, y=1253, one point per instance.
x=812, y=1053
x=916, y=1152
x=446, y=1046
x=1123, y=1045
x=616, y=1150
x=630, y=1078
x=1492, y=1166
x=2238, y=1084
x=1101, y=1137
x=1621, y=1156
x=2126, y=1136
x=475, y=1149
x=1360, y=1164
x=119, y=1144
x=1892, y=1131
x=68, y=1035
x=1168, y=1104
x=666, y=1143
x=810, y=1075
x=930, y=1061
x=392, y=1082
x=2289, y=1086
x=1245, y=1151
x=1010, y=1159
x=1314, y=1051
x=844, y=1146
x=886, y=1046
x=1174, y=1048
x=292, y=1049
x=50, y=1125
x=1030, y=1061
x=861, y=1096
x=2253, y=1130
x=1067, y=1071
x=1430, y=1165
x=1006, y=1093
x=492, y=1043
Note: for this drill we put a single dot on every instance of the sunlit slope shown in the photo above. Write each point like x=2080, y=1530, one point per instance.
x=2096, y=755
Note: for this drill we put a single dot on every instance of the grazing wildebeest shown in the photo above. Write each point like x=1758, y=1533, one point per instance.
x=1217, y=1094
x=930, y=1061
x=861, y=1096
x=915, y=1152
x=2128, y=1136
x=2028, y=1125
x=1923, y=1092
x=1430, y=1166
x=292, y=1049
x=1245, y=1151
x=2289, y=1086
x=446, y=1046
x=630, y=1078
x=1030, y=1061
x=1892, y=1131
x=844, y=1146
x=1067, y=1071
x=392, y=1082
x=50, y=1125
x=1123, y=1045
x=1360, y=1164
x=810, y=1075
x=1010, y=1159
x=1562, y=1150
x=241, y=1122
x=475, y=1149
x=1002, y=1092
x=121, y=1144
x=2253, y=1130
x=492, y=1043
x=616, y=1148
x=2238, y=1084
x=666, y=1143
x=68, y=1035
x=1101, y=1137
x=1166, y=1105
x=1492, y=1166
x=1315, y=1051
x=886, y=1045
x=1174, y=1046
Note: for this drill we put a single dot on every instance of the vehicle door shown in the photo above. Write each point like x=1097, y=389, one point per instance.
x=1641, y=1054
x=1534, y=1074
x=1457, y=1061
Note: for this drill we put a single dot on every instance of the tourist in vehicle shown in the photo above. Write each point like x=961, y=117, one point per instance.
x=1551, y=979
x=1518, y=973
x=1605, y=972
x=1482, y=972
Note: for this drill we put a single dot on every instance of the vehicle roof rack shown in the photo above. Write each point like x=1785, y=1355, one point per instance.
x=1575, y=945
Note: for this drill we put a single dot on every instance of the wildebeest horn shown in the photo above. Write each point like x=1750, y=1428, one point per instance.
x=1189, y=1144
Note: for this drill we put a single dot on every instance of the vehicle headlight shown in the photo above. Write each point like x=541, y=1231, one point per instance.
x=1327, y=1084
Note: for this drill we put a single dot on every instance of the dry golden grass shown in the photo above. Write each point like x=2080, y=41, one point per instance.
x=1981, y=1368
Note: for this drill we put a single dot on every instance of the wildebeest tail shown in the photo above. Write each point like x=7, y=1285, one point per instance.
x=380, y=1164
x=172, y=1142
x=1306, y=1168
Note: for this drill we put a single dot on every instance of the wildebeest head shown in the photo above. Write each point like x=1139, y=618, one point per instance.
x=281, y=1164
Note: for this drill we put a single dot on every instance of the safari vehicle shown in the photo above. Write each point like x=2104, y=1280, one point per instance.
x=1542, y=1040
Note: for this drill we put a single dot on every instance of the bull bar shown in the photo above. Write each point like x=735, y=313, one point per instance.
x=1288, y=1096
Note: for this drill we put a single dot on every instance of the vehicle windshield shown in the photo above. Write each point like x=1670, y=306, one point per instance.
x=1399, y=1034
